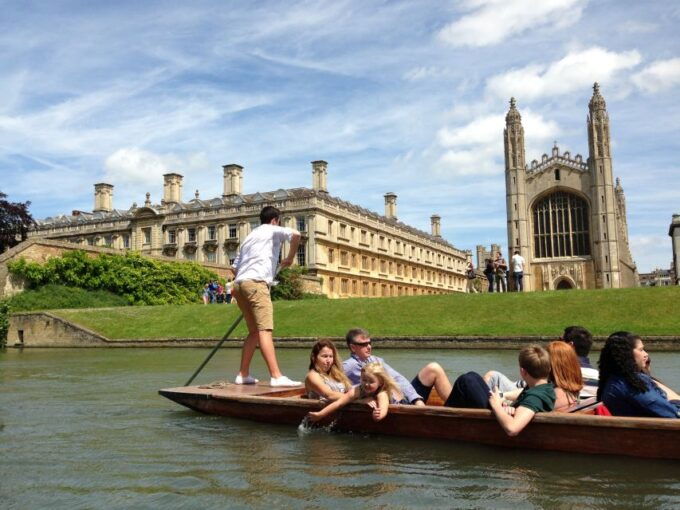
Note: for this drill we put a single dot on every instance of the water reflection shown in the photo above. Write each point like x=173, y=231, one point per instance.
x=86, y=429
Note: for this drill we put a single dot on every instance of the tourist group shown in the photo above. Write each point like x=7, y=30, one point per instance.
x=552, y=378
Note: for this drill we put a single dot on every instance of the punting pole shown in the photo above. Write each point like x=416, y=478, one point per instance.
x=212, y=353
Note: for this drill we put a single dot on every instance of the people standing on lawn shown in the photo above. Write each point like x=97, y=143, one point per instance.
x=228, y=292
x=415, y=392
x=471, y=277
x=490, y=272
x=255, y=268
x=518, y=263
x=501, y=268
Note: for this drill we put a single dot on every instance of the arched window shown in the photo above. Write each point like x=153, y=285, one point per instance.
x=561, y=226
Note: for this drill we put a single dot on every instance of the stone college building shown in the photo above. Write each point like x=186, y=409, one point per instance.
x=350, y=250
x=566, y=216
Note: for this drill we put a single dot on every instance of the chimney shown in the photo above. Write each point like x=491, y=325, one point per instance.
x=103, y=197
x=233, y=180
x=436, y=222
x=391, y=205
x=172, y=188
x=319, y=175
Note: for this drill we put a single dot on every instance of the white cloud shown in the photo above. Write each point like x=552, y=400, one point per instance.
x=651, y=251
x=476, y=148
x=660, y=75
x=132, y=165
x=423, y=72
x=492, y=21
x=578, y=69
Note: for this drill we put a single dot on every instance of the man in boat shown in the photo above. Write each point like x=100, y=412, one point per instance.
x=581, y=340
x=415, y=392
x=255, y=268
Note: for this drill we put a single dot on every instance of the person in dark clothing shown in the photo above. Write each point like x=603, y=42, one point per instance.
x=490, y=271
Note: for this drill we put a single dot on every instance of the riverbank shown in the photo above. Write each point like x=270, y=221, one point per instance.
x=440, y=321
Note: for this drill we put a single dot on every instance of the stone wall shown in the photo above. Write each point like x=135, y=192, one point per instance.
x=43, y=329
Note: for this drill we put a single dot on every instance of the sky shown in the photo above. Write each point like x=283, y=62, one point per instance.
x=398, y=96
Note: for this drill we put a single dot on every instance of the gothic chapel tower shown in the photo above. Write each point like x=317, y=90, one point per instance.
x=515, y=190
x=603, y=219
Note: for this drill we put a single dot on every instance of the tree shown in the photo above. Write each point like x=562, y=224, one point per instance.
x=15, y=220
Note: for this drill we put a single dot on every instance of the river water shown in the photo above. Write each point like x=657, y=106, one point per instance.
x=85, y=428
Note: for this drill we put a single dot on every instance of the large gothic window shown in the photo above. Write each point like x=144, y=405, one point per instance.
x=561, y=226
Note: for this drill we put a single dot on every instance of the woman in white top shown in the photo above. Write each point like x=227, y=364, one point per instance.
x=325, y=380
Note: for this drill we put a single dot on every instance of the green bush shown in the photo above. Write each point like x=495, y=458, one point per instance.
x=290, y=283
x=53, y=296
x=140, y=280
x=4, y=321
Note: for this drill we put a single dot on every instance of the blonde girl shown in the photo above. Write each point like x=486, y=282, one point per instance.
x=376, y=386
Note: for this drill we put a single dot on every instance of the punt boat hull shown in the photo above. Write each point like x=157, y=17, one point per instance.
x=573, y=432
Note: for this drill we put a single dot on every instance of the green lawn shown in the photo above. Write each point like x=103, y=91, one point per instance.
x=646, y=311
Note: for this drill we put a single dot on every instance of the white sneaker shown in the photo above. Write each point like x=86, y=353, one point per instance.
x=283, y=381
x=246, y=380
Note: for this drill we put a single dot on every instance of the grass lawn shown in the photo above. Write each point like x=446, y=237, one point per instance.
x=646, y=311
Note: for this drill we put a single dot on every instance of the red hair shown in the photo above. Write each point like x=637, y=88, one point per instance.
x=565, y=370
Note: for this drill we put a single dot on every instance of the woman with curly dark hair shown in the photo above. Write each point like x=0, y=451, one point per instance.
x=624, y=387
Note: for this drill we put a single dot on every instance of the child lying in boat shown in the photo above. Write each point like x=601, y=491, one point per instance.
x=376, y=386
x=471, y=391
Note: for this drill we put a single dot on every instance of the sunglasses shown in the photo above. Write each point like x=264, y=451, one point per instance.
x=362, y=344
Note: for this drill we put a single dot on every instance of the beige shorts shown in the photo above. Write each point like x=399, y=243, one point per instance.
x=253, y=298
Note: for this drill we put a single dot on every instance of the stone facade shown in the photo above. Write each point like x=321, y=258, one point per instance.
x=566, y=216
x=674, y=232
x=350, y=250
x=658, y=278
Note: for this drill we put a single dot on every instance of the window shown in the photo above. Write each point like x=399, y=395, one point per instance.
x=108, y=241
x=354, y=286
x=126, y=241
x=364, y=263
x=172, y=236
x=363, y=236
x=301, y=223
x=210, y=256
x=557, y=174
x=343, y=230
x=331, y=284
x=90, y=241
x=344, y=258
x=364, y=288
x=561, y=228
x=331, y=255
x=191, y=235
x=383, y=266
x=212, y=233
x=254, y=224
x=344, y=286
x=330, y=227
x=302, y=254
x=146, y=235
x=354, y=260
x=232, y=231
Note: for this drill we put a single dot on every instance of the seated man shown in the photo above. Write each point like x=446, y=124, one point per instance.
x=471, y=391
x=416, y=392
x=581, y=340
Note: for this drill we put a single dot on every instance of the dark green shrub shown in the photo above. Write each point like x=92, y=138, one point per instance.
x=290, y=283
x=140, y=280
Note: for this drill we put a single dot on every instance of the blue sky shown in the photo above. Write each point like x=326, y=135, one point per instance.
x=401, y=96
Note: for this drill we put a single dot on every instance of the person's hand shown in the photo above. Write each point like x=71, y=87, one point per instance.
x=509, y=409
x=375, y=414
x=287, y=262
x=419, y=402
x=494, y=398
x=314, y=416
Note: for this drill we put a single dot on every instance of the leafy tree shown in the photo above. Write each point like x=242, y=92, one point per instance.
x=141, y=280
x=4, y=321
x=15, y=220
x=290, y=283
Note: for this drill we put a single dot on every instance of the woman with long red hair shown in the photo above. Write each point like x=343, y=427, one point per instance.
x=565, y=374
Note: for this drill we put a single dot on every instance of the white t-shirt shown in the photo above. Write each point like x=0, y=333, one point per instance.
x=259, y=254
x=517, y=263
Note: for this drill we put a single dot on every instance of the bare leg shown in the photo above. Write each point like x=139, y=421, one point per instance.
x=247, y=352
x=433, y=374
x=268, y=352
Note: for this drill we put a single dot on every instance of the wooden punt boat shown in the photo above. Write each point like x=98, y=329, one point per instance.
x=578, y=432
